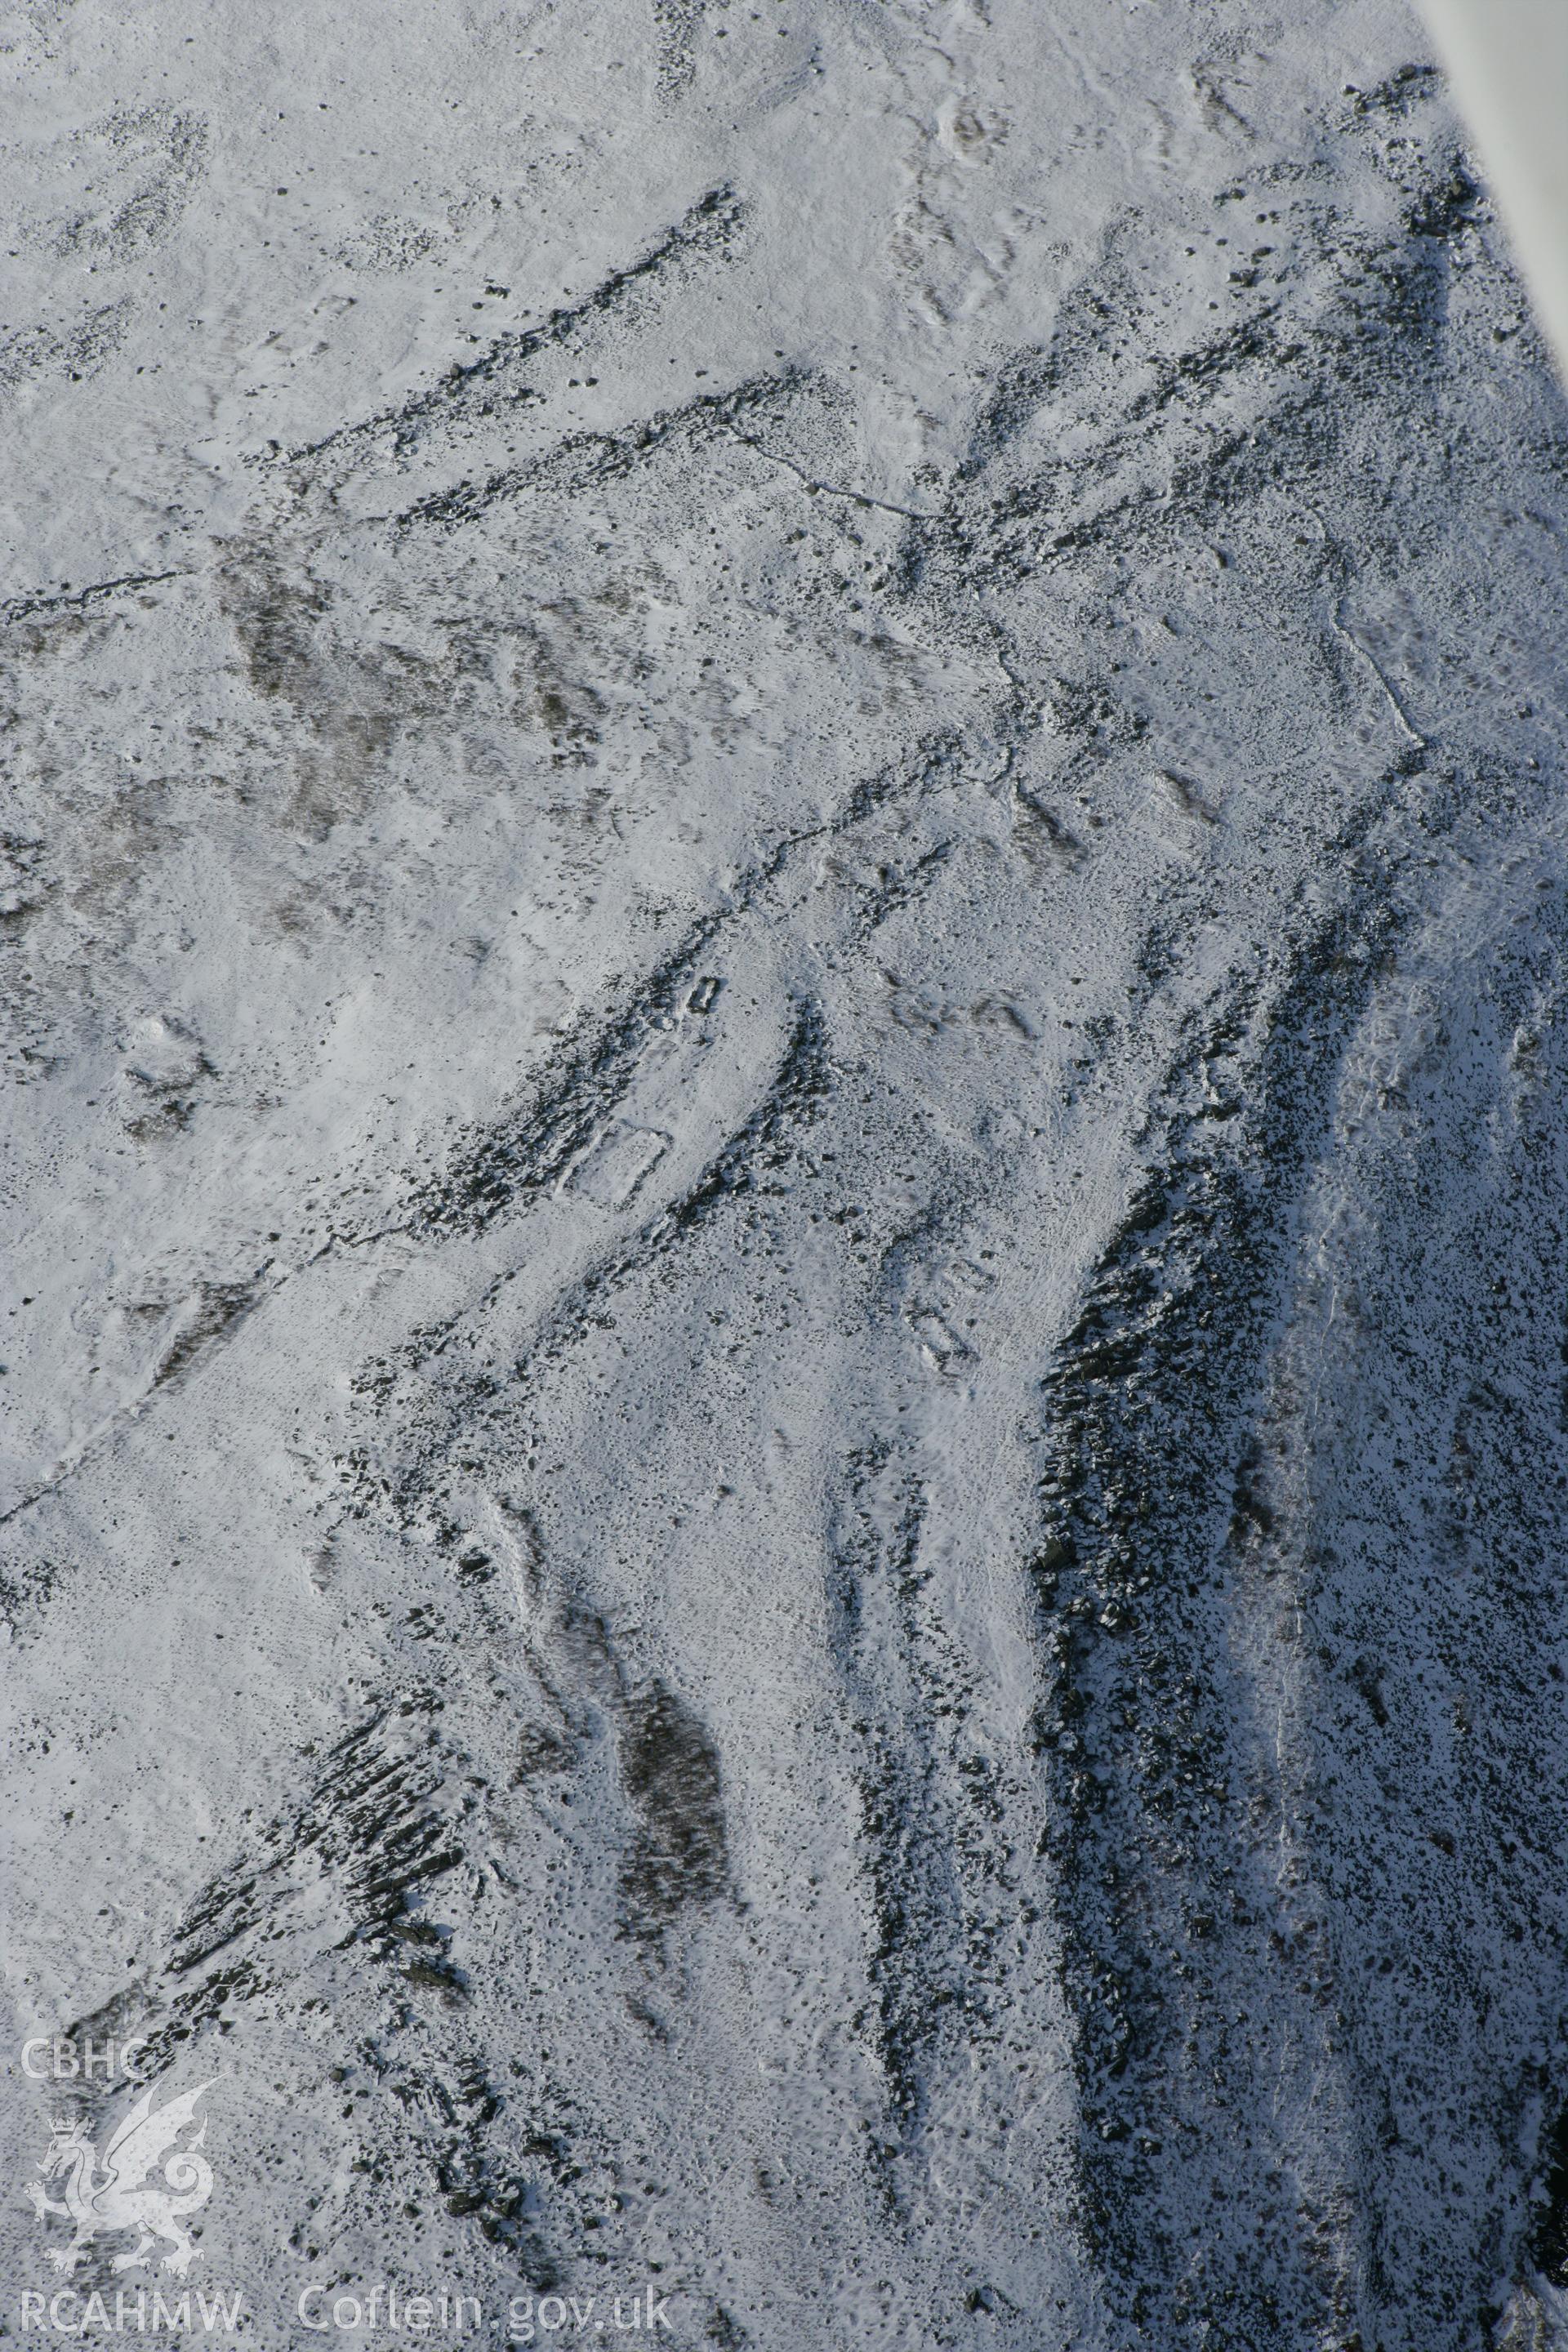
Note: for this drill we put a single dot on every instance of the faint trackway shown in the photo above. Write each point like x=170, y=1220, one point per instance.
x=828, y=490
x=1413, y=733
x=172, y=1365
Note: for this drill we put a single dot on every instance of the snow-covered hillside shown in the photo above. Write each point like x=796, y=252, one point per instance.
x=785, y=1329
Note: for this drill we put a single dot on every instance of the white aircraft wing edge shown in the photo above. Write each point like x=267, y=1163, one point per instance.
x=1507, y=62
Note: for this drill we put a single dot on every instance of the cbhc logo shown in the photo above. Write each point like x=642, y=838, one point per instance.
x=57, y=2057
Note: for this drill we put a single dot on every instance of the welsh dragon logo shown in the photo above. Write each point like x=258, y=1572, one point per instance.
x=117, y=2195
